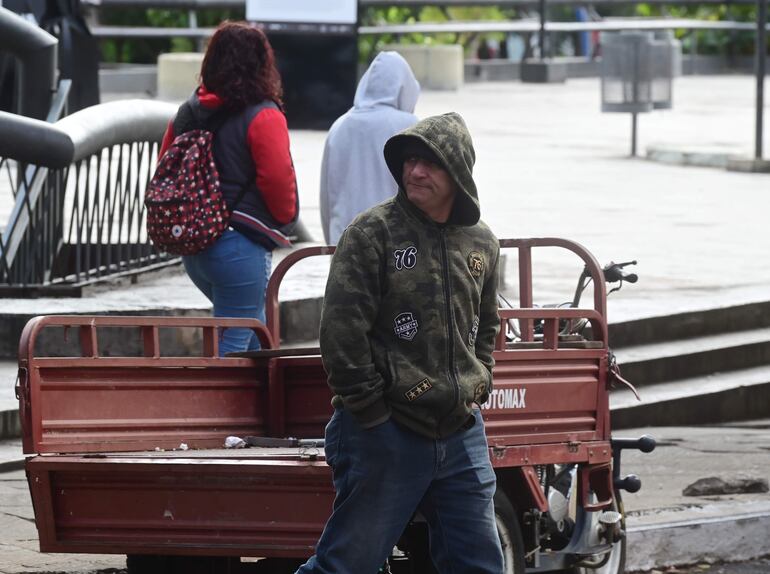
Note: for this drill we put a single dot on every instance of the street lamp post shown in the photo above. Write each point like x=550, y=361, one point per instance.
x=761, y=61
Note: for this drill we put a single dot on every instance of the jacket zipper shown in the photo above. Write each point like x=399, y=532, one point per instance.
x=449, y=323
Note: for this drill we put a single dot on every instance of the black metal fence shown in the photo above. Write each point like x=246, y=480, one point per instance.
x=78, y=213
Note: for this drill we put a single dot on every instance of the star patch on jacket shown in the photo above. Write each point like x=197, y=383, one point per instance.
x=418, y=390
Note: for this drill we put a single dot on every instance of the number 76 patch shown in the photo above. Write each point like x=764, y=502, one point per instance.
x=405, y=258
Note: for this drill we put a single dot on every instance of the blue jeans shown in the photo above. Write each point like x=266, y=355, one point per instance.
x=384, y=474
x=233, y=275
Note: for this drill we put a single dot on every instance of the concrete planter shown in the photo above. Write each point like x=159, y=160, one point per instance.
x=435, y=67
x=178, y=74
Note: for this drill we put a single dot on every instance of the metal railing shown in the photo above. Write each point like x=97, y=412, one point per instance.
x=78, y=212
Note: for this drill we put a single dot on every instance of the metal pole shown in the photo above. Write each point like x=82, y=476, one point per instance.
x=761, y=61
x=37, y=52
x=694, y=52
x=542, y=28
x=633, y=134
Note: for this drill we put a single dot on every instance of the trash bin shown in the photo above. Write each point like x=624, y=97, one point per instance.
x=666, y=52
x=627, y=72
x=637, y=71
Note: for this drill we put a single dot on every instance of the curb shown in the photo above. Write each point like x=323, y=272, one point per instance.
x=729, y=538
x=690, y=158
x=12, y=464
x=10, y=424
x=708, y=158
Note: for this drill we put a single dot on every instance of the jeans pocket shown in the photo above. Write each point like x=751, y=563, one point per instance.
x=332, y=437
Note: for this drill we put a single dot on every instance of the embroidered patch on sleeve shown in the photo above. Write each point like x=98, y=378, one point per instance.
x=476, y=263
x=418, y=390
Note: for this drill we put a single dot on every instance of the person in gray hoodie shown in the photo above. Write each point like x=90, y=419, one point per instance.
x=354, y=176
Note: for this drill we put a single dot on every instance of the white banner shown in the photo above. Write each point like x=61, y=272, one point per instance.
x=303, y=11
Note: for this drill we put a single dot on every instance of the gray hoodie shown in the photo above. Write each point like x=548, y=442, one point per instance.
x=354, y=175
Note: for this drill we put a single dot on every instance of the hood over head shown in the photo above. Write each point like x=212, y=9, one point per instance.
x=388, y=81
x=448, y=139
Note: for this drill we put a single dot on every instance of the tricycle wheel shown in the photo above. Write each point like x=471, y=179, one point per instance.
x=159, y=564
x=415, y=542
x=509, y=531
x=615, y=562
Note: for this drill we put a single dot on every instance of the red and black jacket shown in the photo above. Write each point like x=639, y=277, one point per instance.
x=251, y=149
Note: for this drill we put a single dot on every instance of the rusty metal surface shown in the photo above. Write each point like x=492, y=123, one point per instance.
x=196, y=455
x=272, y=309
x=553, y=400
x=91, y=403
x=222, y=506
x=106, y=408
x=525, y=246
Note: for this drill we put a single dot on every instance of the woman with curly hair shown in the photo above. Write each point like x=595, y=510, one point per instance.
x=239, y=99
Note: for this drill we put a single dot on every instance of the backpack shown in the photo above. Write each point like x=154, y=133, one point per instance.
x=186, y=210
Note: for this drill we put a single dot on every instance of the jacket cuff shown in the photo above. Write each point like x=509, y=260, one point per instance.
x=373, y=415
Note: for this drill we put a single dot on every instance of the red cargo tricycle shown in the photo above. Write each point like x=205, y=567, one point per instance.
x=128, y=454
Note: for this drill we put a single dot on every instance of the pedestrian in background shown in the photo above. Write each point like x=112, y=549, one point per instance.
x=354, y=176
x=240, y=93
x=407, y=333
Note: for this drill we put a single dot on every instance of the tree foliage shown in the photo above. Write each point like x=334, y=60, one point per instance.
x=147, y=50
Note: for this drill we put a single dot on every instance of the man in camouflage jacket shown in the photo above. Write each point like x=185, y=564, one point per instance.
x=407, y=333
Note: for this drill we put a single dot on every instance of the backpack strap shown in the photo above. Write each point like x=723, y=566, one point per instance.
x=186, y=121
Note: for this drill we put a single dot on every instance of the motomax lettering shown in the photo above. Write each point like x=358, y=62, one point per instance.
x=506, y=399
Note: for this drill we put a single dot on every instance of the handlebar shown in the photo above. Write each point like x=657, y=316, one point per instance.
x=613, y=272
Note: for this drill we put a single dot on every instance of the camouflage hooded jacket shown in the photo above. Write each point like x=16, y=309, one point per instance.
x=410, y=311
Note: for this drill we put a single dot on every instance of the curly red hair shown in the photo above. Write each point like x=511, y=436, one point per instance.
x=239, y=66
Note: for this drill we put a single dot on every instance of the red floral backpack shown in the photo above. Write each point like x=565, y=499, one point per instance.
x=186, y=211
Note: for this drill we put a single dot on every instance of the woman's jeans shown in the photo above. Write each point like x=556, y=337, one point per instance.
x=233, y=275
x=384, y=474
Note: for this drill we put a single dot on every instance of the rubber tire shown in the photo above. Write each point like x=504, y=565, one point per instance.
x=617, y=562
x=509, y=530
x=508, y=527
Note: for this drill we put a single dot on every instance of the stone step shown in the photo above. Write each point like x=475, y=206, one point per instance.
x=680, y=326
x=742, y=394
x=698, y=356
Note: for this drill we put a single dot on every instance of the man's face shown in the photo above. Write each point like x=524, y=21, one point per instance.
x=429, y=187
